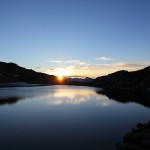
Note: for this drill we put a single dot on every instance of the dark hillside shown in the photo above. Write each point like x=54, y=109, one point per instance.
x=10, y=72
x=125, y=80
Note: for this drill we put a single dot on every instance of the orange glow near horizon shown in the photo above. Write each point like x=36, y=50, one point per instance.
x=60, y=72
x=60, y=77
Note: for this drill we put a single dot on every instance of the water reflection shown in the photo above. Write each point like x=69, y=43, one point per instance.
x=65, y=117
x=76, y=96
x=126, y=96
x=9, y=100
x=55, y=95
x=74, y=101
x=104, y=103
x=71, y=95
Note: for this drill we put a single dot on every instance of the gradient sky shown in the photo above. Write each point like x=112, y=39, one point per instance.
x=75, y=37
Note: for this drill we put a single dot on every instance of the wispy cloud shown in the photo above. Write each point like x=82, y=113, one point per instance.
x=103, y=58
x=37, y=67
x=126, y=66
x=77, y=62
x=101, y=64
x=52, y=69
x=129, y=66
x=93, y=70
x=72, y=62
x=55, y=61
x=79, y=67
x=96, y=70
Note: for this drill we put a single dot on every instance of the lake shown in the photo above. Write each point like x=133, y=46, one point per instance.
x=64, y=117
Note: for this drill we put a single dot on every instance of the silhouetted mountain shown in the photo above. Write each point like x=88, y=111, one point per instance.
x=10, y=72
x=125, y=80
x=80, y=80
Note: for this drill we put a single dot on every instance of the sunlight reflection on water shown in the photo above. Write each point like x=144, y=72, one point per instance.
x=58, y=95
x=76, y=96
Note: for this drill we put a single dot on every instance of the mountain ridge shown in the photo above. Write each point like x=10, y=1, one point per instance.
x=123, y=79
x=140, y=79
x=11, y=72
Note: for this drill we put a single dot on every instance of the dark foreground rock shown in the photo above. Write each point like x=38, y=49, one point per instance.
x=138, y=139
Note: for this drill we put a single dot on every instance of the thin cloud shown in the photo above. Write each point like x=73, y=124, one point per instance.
x=103, y=58
x=93, y=70
x=76, y=62
x=37, y=67
x=101, y=64
x=128, y=65
x=72, y=62
x=89, y=68
x=55, y=61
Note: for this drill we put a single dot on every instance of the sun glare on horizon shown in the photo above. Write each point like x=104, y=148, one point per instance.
x=60, y=77
x=61, y=72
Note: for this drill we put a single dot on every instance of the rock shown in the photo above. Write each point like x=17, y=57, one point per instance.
x=140, y=125
x=145, y=144
x=138, y=139
x=127, y=147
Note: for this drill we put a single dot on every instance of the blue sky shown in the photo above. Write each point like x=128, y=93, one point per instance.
x=76, y=37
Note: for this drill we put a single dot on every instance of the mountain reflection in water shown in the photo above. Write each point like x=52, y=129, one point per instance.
x=58, y=95
x=126, y=96
x=9, y=100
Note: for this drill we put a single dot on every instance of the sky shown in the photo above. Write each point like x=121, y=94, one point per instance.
x=75, y=37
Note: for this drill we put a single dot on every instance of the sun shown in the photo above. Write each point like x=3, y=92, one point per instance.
x=61, y=73
x=60, y=77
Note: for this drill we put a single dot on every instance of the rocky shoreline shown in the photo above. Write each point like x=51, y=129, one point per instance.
x=138, y=139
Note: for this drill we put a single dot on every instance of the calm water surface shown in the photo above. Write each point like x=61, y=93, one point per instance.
x=64, y=117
